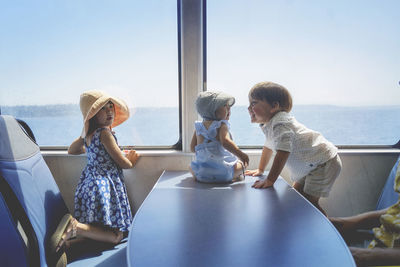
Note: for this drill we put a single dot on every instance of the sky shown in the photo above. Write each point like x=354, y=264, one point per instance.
x=325, y=52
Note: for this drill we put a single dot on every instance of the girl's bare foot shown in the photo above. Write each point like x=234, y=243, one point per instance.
x=99, y=233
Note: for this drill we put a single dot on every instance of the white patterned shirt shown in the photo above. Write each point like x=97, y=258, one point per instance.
x=307, y=148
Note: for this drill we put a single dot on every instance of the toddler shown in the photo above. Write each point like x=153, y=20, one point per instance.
x=216, y=154
x=312, y=160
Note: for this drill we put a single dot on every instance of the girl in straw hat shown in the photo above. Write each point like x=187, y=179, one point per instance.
x=102, y=209
x=216, y=154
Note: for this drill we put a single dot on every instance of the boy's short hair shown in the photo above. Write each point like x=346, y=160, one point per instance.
x=272, y=92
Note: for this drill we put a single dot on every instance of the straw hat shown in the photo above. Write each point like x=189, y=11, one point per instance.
x=208, y=102
x=92, y=101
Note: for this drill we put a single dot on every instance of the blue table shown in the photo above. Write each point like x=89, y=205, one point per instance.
x=186, y=223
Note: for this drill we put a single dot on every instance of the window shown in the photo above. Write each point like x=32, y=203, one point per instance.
x=339, y=59
x=52, y=51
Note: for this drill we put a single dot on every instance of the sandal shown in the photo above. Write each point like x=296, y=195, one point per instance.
x=66, y=230
x=69, y=232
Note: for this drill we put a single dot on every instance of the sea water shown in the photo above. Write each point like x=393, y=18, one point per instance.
x=59, y=125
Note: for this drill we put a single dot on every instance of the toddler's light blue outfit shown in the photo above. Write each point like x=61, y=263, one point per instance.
x=213, y=163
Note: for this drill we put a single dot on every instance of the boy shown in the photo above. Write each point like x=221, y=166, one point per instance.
x=312, y=160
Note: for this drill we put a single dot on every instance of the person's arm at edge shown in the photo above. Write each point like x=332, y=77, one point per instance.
x=376, y=256
x=365, y=220
x=369, y=219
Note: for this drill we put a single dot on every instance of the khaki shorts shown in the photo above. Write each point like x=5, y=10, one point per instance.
x=319, y=181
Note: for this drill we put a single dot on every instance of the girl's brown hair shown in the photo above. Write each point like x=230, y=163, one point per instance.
x=92, y=121
x=92, y=126
x=272, y=92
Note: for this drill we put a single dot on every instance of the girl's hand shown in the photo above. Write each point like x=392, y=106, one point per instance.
x=263, y=184
x=257, y=172
x=132, y=156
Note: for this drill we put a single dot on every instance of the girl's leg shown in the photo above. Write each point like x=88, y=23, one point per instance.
x=99, y=233
x=79, y=230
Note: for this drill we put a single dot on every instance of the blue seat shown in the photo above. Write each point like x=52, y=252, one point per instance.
x=23, y=168
x=25, y=171
x=13, y=248
x=389, y=196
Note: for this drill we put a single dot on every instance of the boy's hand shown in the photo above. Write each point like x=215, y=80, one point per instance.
x=257, y=172
x=132, y=156
x=263, y=184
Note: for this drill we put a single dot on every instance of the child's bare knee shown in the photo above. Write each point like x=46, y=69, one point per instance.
x=299, y=187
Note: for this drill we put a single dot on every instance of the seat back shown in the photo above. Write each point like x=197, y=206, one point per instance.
x=389, y=196
x=25, y=171
x=13, y=250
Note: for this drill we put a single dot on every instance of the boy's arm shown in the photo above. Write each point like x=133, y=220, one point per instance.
x=265, y=157
x=77, y=147
x=228, y=144
x=276, y=169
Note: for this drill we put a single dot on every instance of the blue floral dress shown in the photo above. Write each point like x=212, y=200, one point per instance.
x=100, y=197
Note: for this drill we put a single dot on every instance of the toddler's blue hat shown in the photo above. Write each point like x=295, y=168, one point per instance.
x=208, y=102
